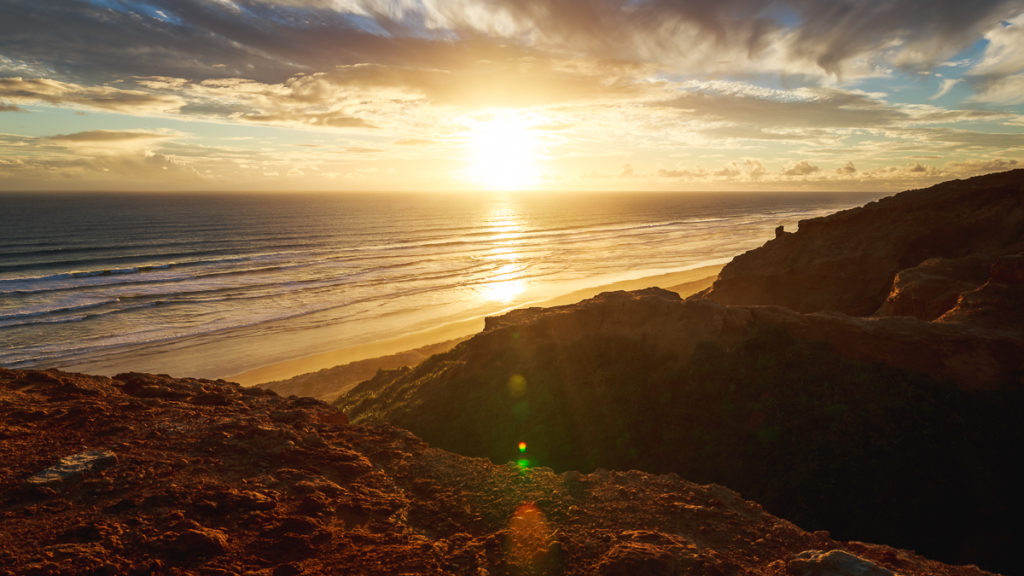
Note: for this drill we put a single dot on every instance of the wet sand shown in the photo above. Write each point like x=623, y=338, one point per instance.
x=685, y=282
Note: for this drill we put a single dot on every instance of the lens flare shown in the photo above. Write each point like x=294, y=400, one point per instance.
x=516, y=385
x=529, y=546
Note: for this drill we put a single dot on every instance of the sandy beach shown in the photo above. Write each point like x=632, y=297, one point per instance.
x=684, y=282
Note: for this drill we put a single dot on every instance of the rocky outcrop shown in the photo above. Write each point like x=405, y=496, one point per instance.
x=848, y=376
x=997, y=304
x=210, y=478
x=826, y=419
x=847, y=262
x=931, y=288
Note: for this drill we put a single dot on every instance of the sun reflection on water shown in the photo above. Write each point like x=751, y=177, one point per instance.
x=506, y=282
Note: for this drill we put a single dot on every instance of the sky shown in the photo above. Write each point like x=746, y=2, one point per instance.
x=432, y=95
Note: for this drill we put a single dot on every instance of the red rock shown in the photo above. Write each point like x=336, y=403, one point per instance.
x=1009, y=269
x=423, y=510
x=200, y=541
x=931, y=289
x=630, y=558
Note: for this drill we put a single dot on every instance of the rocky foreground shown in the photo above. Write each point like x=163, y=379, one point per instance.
x=144, y=474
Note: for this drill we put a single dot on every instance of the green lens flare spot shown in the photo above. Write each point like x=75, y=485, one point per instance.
x=523, y=463
x=516, y=385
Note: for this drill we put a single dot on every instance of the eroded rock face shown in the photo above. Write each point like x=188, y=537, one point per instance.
x=847, y=262
x=932, y=288
x=998, y=304
x=232, y=487
x=828, y=419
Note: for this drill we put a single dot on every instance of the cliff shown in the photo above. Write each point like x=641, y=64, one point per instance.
x=847, y=262
x=863, y=375
x=329, y=383
x=143, y=474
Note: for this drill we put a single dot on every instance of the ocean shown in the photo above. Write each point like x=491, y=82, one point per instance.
x=210, y=285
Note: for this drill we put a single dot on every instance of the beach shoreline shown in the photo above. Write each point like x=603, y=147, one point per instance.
x=684, y=282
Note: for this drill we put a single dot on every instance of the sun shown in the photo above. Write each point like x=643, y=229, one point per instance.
x=504, y=153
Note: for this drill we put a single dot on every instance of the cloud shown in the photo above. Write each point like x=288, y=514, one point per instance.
x=961, y=138
x=986, y=166
x=328, y=119
x=272, y=41
x=748, y=169
x=752, y=132
x=796, y=109
x=607, y=81
x=204, y=39
x=716, y=35
x=1004, y=51
x=684, y=174
x=105, y=136
x=801, y=168
x=33, y=90
x=998, y=76
x=123, y=171
x=502, y=77
x=904, y=33
x=846, y=169
x=944, y=87
x=1008, y=90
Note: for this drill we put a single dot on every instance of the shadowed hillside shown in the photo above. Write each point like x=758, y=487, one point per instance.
x=329, y=383
x=893, y=428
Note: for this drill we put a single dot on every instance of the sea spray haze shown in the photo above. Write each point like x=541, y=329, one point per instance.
x=213, y=284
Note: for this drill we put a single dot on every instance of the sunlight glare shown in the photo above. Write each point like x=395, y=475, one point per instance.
x=504, y=154
x=504, y=292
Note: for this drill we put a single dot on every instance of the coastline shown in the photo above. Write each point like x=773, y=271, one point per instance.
x=684, y=282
